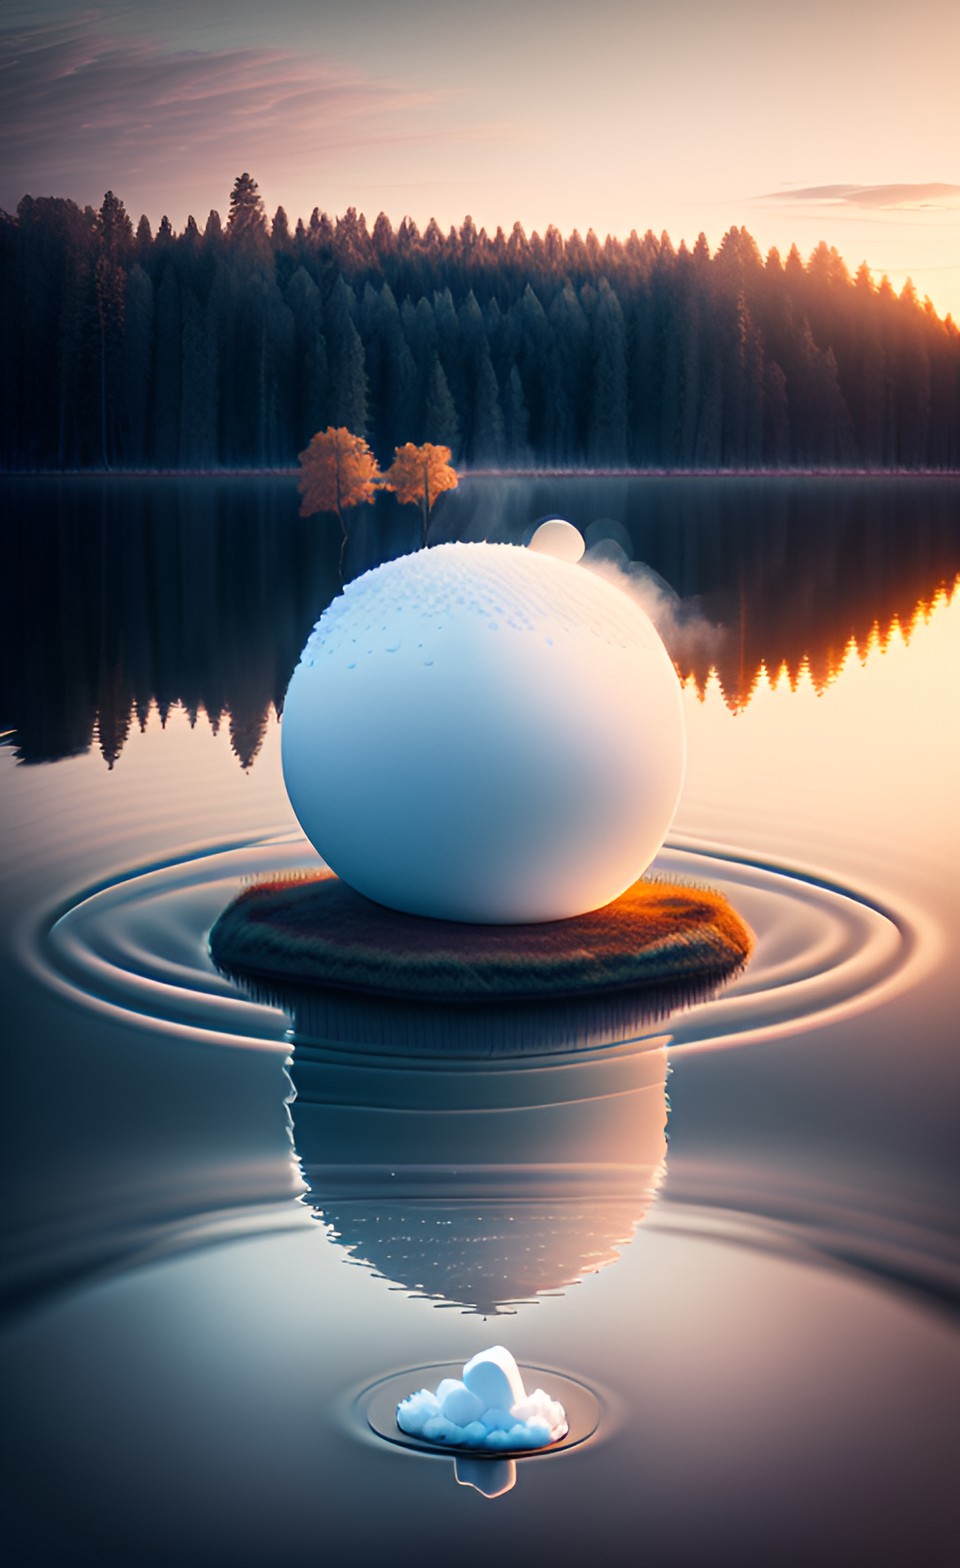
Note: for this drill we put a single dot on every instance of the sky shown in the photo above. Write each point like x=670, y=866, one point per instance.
x=837, y=120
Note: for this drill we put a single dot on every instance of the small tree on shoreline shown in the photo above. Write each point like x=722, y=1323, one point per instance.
x=339, y=472
x=418, y=476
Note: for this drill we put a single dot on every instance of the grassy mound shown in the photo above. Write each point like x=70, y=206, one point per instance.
x=318, y=931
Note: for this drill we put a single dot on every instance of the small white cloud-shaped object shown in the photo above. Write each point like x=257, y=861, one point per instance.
x=459, y=1405
x=481, y=732
x=459, y=1413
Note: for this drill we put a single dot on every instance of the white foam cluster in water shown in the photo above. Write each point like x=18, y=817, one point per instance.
x=488, y=1408
x=480, y=732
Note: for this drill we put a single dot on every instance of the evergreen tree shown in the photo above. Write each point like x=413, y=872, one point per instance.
x=346, y=361
x=565, y=379
x=199, y=387
x=691, y=353
x=776, y=418
x=310, y=355
x=247, y=222
x=114, y=252
x=144, y=239
x=233, y=346
x=487, y=433
x=440, y=419
x=277, y=377
x=451, y=355
x=420, y=333
x=382, y=238
x=168, y=371
x=280, y=232
x=535, y=362
x=135, y=367
x=607, y=438
x=516, y=421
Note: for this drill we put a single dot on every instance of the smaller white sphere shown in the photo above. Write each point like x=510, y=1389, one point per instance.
x=480, y=732
x=558, y=538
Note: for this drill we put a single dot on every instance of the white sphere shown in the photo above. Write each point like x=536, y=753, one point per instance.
x=558, y=538
x=479, y=732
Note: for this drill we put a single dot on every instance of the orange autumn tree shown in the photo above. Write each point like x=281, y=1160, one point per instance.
x=418, y=475
x=339, y=472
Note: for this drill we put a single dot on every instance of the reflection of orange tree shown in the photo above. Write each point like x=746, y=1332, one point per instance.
x=418, y=475
x=339, y=472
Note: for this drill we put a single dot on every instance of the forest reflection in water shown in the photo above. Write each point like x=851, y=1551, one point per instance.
x=127, y=594
x=771, y=1350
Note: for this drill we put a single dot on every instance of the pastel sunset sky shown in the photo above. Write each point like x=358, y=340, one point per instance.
x=834, y=120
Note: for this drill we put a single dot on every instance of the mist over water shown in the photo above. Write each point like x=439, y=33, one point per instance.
x=692, y=640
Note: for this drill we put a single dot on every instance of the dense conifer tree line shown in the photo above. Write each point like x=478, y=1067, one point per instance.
x=232, y=345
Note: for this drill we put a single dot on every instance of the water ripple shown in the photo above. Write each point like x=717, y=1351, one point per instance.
x=137, y=946
x=824, y=950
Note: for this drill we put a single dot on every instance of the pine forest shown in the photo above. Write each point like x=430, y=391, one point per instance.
x=229, y=346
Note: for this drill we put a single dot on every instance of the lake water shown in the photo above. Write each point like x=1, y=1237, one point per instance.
x=732, y=1229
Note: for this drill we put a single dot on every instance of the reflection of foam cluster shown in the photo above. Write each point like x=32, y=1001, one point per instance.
x=488, y=1408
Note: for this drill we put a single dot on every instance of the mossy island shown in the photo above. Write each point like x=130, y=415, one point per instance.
x=317, y=931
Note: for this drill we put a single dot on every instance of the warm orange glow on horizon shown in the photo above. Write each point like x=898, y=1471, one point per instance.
x=383, y=109
x=872, y=762
x=815, y=674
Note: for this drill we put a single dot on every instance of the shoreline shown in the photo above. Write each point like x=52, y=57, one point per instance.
x=500, y=473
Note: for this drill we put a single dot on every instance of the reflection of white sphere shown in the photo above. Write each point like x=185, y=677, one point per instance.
x=479, y=732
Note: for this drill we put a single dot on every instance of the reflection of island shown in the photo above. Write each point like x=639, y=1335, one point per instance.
x=479, y=1110
x=478, y=1162
x=126, y=594
x=481, y=1184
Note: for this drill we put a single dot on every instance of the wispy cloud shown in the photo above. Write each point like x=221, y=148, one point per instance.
x=878, y=198
x=73, y=98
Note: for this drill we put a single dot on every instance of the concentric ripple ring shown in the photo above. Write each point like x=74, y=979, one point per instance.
x=137, y=945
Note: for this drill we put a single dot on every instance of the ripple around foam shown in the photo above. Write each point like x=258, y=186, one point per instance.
x=137, y=947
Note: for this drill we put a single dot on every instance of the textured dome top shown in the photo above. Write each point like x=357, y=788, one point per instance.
x=504, y=587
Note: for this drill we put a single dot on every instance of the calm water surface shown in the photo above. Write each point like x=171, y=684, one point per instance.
x=733, y=1225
